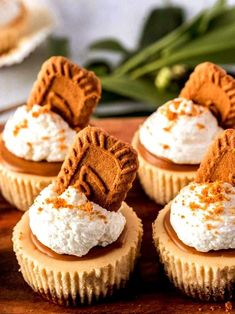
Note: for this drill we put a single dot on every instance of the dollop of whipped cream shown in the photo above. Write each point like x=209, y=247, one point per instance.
x=180, y=131
x=203, y=216
x=70, y=224
x=38, y=134
x=9, y=11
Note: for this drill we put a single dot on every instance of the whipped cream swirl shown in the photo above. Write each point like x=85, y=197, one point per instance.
x=203, y=216
x=179, y=131
x=38, y=134
x=70, y=224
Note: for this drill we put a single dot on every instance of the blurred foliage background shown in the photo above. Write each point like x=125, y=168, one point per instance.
x=168, y=49
x=135, y=80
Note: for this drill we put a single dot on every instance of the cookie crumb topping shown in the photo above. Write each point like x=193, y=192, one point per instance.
x=22, y=125
x=177, y=107
x=87, y=208
x=209, y=216
x=41, y=110
x=212, y=193
x=165, y=146
x=201, y=126
x=45, y=138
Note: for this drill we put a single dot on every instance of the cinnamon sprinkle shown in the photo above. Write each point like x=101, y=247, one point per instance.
x=200, y=126
x=167, y=128
x=165, y=146
x=41, y=110
x=209, y=226
x=22, y=125
x=175, y=103
x=63, y=147
x=61, y=139
x=192, y=188
x=45, y=138
x=219, y=210
x=212, y=216
x=171, y=115
x=58, y=202
x=87, y=208
x=213, y=193
x=193, y=206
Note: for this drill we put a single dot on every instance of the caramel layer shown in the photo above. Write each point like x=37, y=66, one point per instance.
x=172, y=234
x=163, y=163
x=17, y=164
x=93, y=253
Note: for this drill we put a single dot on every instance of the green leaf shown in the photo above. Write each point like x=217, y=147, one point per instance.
x=213, y=42
x=225, y=18
x=110, y=44
x=210, y=14
x=99, y=66
x=222, y=57
x=159, y=23
x=221, y=19
x=110, y=97
x=58, y=46
x=156, y=47
x=189, y=29
x=141, y=90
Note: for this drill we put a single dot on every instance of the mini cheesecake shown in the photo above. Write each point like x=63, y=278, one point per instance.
x=170, y=146
x=36, y=138
x=160, y=178
x=79, y=241
x=207, y=276
x=195, y=233
x=22, y=179
x=71, y=280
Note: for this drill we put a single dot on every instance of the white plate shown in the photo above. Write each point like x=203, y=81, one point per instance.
x=40, y=24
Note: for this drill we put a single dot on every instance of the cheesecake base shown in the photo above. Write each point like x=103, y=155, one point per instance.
x=21, y=189
x=161, y=185
x=79, y=281
x=204, y=277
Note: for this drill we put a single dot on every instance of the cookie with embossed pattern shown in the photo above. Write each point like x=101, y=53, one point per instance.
x=71, y=91
x=219, y=161
x=100, y=166
x=211, y=86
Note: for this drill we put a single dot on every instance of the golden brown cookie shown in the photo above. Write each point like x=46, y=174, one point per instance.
x=211, y=86
x=100, y=166
x=71, y=91
x=219, y=161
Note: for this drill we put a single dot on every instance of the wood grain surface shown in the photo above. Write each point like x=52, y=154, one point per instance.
x=148, y=291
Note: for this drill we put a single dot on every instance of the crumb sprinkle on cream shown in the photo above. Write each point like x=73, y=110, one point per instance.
x=22, y=125
x=86, y=208
x=41, y=110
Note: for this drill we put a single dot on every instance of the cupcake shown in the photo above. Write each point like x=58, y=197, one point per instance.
x=173, y=140
x=36, y=138
x=195, y=233
x=79, y=241
x=13, y=22
x=170, y=146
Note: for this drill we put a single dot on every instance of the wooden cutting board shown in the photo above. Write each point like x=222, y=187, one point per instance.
x=148, y=291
